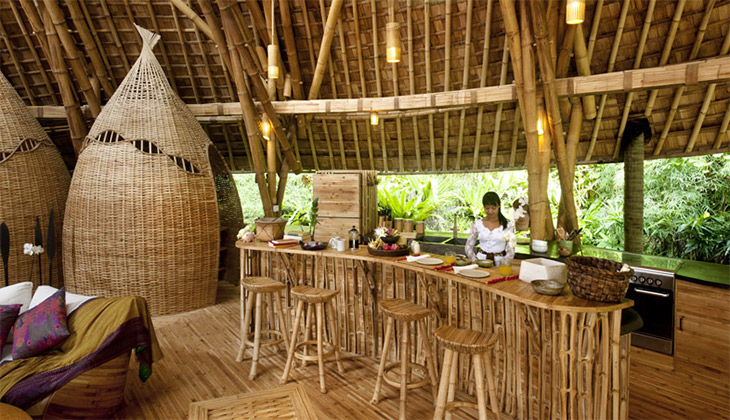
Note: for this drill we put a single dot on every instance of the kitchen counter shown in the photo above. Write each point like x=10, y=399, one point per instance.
x=555, y=357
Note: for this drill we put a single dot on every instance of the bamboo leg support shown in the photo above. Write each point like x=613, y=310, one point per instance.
x=479, y=379
x=256, y=339
x=335, y=336
x=491, y=388
x=245, y=322
x=307, y=330
x=430, y=361
x=282, y=320
x=383, y=360
x=405, y=358
x=320, y=351
x=292, y=343
x=443, y=385
x=452, y=384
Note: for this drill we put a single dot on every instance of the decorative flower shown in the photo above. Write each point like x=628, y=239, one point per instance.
x=519, y=208
x=385, y=231
x=510, y=238
x=37, y=249
x=28, y=249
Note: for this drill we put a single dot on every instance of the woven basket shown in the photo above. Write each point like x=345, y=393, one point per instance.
x=270, y=228
x=142, y=215
x=33, y=180
x=597, y=279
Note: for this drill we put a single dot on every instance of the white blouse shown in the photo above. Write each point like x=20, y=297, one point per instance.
x=489, y=241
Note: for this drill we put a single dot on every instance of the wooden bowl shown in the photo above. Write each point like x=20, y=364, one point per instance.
x=548, y=287
x=390, y=240
x=313, y=245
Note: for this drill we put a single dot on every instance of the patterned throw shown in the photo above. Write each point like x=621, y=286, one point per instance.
x=42, y=327
x=8, y=313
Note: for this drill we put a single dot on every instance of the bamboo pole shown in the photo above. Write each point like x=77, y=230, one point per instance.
x=722, y=131
x=427, y=18
x=115, y=35
x=515, y=133
x=242, y=133
x=500, y=107
x=594, y=28
x=552, y=19
x=185, y=9
x=394, y=70
x=76, y=123
x=563, y=61
x=311, y=146
x=611, y=62
x=163, y=50
x=206, y=64
x=16, y=63
x=668, y=43
x=378, y=83
x=97, y=43
x=465, y=78
x=584, y=69
x=483, y=82
x=308, y=31
x=412, y=82
x=227, y=138
x=680, y=90
x=324, y=48
x=88, y=39
x=447, y=80
x=186, y=59
x=291, y=49
x=637, y=63
x=329, y=144
x=553, y=112
x=363, y=86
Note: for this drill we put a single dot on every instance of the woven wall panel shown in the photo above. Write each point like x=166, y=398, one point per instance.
x=142, y=215
x=33, y=180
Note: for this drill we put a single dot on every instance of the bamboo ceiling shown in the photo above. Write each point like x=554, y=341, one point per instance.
x=430, y=139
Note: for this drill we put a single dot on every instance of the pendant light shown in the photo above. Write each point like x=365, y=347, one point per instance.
x=392, y=37
x=374, y=118
x=540, y=130
x=575, y=11
x=265, y=128
x=273, y=50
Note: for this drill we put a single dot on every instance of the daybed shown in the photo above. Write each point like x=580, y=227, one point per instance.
x=84, y=377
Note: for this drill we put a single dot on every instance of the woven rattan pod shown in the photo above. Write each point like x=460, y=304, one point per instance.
x=142, y=216
x=33, y=180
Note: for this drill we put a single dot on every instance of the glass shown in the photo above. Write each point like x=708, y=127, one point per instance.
x=504, y=265
x=450, y=257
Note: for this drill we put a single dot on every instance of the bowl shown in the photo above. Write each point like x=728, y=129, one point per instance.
x=462, y=261
x=390, y=240
x=539, y=245
x=485, y=263
x=313, y=245
x=548, y=287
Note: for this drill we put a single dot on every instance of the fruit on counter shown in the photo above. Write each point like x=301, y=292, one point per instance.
x=379, y=244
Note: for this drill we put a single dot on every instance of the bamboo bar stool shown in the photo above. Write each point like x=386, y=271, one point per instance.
x=405, y=312
x=318, y=297
x=256, y=286
x=459, y=340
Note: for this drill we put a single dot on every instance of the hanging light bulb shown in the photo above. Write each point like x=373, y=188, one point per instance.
x=273, y=50
x=374, y=118
x=392, y=37
x=265, y=128
x=575, y=11
x=540, y=130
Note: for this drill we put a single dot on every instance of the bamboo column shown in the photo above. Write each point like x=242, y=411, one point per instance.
x=483, y=82
x=633, y=144
x=324, y=48
x=88, y=39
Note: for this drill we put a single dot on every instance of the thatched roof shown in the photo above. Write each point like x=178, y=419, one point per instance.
x=415, y=140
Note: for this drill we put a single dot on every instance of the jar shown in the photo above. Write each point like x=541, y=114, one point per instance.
x=354, y=238
x=415, y=248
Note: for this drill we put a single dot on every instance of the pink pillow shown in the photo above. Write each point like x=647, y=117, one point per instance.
x=42, y=327
x=8, y=313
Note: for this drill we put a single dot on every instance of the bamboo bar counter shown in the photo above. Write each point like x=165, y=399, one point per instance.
x=557, y=357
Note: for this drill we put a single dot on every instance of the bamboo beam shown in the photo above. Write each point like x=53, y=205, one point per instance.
x=427, y=18
x=183, y=46
x=214, y=25
x=398, y=126
x=515, y=134
x=227, y=138
x=483, y=80
x=311, y=146
x=363, y=86
x=637, y=63
x=709, y=95
x=324, y=48
x=31, y=47
x=722, y=131
x=668, y=43
x=465, y=78
x=329, y=144
x=447, y=82
x=594, y=29
x=333, y=84
x=584, y=69
x=348, y=88
x=242, y=133
x=270, y=21
x=87, y=38
x=680, y=90
x=115, y=35
x=291, y=50
x=378, y=83
x=16, y=63
x=76, y=123
x=412, y=82
x=97, y=43
x=229, y=22
x=204, y=54
x=185, y=9
x=498, y=114
x=611, y=62
x=303, y=6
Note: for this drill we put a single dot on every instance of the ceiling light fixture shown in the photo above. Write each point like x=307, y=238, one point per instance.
x=575, y=11
x=273, y=50
x=374, y=118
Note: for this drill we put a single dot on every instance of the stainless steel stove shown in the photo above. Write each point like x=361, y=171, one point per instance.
x=653, y=294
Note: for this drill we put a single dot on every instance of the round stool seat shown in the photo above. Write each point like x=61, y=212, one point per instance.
x=262, y=284
x=463, y=340
x=403, y=310
x=313, y=294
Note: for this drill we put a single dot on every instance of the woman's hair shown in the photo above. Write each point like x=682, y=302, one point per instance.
x=492, y=199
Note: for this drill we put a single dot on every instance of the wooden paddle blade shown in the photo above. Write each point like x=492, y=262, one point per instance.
x=51, y=246
x=5, y=248
x=38, y=233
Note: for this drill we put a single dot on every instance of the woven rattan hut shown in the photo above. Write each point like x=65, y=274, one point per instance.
x=33, y=180
x=142, y=216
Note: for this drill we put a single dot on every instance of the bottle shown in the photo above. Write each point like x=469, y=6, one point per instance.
x=415, y=248
x=354, y=236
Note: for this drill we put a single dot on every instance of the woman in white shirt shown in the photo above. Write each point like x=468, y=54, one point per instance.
x=490, y=230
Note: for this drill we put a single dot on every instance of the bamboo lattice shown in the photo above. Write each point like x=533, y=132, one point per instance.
x=142, y=216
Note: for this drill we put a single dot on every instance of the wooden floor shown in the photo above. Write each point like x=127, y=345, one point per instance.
x=200, y=348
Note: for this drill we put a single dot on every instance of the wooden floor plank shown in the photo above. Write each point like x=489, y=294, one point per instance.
x=200, y=348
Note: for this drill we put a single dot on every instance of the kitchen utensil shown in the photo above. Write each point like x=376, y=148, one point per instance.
x=485, y=263
x=39, y=242
x=51, y=247
x=475, y=274
x=5, y=248
x=561, y=233
x=574, y=233
x=430, y=261
x=548, y=287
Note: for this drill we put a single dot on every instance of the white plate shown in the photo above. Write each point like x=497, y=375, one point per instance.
x=475, y=274
x=430, y=261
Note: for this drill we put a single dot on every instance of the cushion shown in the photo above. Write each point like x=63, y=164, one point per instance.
x=17, y=293
x=8, y=314
x=42, y=327
x=73, y=301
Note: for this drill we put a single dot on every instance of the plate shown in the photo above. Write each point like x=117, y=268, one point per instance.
x=430, y=261
x=475, y=274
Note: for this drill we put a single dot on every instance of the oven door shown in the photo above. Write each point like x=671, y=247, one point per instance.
x=656, y=307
